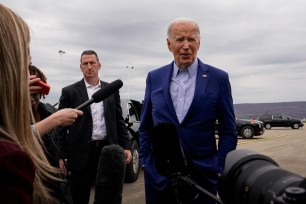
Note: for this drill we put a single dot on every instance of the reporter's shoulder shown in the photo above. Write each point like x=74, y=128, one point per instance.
x=48, y=107
x=8, y=147
x=15, y=165
x=13, y=155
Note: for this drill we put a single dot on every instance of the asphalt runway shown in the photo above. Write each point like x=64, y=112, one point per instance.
x=284, y=145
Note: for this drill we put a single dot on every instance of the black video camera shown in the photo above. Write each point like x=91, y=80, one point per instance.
x=251, y=178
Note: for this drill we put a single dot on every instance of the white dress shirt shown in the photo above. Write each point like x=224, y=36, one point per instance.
x=97, y=112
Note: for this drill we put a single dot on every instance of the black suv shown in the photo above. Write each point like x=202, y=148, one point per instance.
x=131, y=114
x=247, y=128
x=280, y=120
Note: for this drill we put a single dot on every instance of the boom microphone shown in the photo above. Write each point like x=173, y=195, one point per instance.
x=169, y=160
x=103, y=93
x=166, y=146
x=110, y=176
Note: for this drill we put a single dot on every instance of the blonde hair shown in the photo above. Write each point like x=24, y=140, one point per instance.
x=15, y=106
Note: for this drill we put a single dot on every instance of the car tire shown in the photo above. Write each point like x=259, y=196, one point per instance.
x=295, y=126
x=247, y=132
x=268, y=126
x=133, y=168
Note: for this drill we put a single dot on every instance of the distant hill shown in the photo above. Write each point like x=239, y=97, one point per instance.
x=293, y=109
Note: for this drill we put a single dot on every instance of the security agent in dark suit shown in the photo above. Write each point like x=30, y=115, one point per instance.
x=101, y=124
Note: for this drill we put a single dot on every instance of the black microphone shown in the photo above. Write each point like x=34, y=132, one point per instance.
x=110, y=175
x=103, y=93
x=170, y=161
x=167, y=151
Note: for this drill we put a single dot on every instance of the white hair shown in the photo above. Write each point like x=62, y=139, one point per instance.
x=183, y=20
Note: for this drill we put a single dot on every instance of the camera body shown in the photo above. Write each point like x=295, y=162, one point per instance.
x=251, y=178
x=291, y=195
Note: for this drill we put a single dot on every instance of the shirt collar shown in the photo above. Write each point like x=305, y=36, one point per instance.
x=192, y=69
x=89, y=86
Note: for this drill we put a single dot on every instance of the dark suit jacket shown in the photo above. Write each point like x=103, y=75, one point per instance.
x=77, y=146
x=212, y=100
x=17, y=173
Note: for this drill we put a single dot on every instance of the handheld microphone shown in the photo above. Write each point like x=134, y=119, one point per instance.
x=103, y=93
x=166, y=147
x=110, y=175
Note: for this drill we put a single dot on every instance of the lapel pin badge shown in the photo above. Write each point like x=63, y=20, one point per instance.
x=204, y=75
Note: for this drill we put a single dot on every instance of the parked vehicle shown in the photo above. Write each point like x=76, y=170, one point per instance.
x=247, y=128
x=131, y=114
x=280, y=120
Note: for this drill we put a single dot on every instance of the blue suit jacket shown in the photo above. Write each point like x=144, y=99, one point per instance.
x=212, y=100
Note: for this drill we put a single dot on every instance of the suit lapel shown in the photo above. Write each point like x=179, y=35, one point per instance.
x=83, y=93
x=200, y=87
x=201, y=83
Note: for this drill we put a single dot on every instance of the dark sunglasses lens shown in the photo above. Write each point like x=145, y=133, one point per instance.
x=35, y=94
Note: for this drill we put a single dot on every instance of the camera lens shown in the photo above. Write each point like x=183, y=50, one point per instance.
x=251, y=178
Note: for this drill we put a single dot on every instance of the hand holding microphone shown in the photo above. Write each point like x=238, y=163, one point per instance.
x=103, y=93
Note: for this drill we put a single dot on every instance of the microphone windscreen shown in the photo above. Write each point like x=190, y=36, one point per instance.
x=166, y=147
x=107, y=90
x=110, y=175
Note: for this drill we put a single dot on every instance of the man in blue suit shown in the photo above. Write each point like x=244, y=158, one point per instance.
x=192, y=96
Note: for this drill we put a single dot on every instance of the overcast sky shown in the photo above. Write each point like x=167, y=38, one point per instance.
x=261, y=44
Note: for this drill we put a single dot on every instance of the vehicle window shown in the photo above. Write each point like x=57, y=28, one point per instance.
x=277, y=117
x=264, y=117
x=132, y=113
